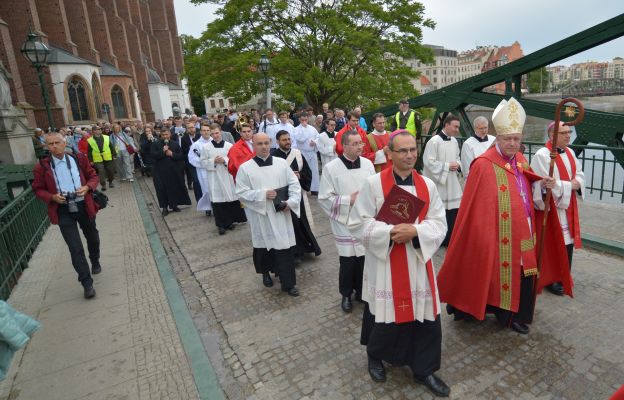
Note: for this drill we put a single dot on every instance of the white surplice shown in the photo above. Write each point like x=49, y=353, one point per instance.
x=562, y=192
x=202, y=174
x=327, y=147
x=220, y=181
x=375, y=237
x=337, y=184
x=269, y=229
x=471, y=149
x=438, y=154
x=306, y=138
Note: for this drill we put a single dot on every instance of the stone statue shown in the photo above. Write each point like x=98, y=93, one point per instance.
x=5, y=89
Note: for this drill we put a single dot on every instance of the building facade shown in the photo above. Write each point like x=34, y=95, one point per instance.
x=125, y=54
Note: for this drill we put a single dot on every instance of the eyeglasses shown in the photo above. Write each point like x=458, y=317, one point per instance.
x=404, y=152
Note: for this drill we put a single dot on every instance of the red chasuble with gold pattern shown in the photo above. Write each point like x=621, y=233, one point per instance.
x=492, y=245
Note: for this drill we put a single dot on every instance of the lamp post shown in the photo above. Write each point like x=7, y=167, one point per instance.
x=264, y=64
x=37, y=53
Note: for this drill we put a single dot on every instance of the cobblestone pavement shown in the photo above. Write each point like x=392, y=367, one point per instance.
x=121, y=345
x=267, y=345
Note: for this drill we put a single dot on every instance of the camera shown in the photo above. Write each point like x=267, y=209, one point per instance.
x=70, y=200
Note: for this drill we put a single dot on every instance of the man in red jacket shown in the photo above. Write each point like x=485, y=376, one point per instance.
x=353, y=124
x=65, y=182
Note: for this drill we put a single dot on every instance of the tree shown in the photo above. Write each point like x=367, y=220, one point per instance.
x=537, y=80
x=343, y=52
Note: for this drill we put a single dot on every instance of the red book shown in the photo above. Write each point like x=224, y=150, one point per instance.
x=400, y=207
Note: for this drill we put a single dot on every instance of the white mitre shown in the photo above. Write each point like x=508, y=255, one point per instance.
x=508, y=117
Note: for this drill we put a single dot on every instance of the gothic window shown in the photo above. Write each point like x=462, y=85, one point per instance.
x=78, y=100
x=97, y=95
x=119, y=104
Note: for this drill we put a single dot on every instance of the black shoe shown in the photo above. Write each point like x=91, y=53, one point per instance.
x=346, y=304
x=89, y=292
x=221, y=231
x=556, y=288
x=293, y=291
x=164, y=212
x=231, y=227
x=209, y=213
x=376, y=370
x=520, y=327
x=103, y=188
x=190, y=187
x=96, y=269
x=266, y=280
x=110, y=185
x=358, y=297
x=435, y=384
x=176, y=209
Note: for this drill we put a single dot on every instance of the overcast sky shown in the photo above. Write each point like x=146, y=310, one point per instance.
x=461, y=25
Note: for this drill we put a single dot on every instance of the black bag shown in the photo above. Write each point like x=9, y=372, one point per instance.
x=100, y=199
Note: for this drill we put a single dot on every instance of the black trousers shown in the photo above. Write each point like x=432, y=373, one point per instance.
x=350, y=275
x=281, y=262
x=451, y=215
x=69, y=222
x=570, y=249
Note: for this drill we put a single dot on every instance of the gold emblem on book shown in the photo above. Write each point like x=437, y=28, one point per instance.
x=400, y=209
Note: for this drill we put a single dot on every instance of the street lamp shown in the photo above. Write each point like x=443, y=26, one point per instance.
x=37, y=52
x=264, y=66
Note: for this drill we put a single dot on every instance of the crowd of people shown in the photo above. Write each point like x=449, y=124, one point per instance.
x=484, y=203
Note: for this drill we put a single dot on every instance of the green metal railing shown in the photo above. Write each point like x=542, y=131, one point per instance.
x=604, y=177
x=22, y=225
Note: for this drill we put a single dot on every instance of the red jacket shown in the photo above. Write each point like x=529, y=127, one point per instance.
x=238, y=154
x=44, y=185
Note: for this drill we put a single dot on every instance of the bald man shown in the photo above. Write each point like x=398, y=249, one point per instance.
x=269, y=190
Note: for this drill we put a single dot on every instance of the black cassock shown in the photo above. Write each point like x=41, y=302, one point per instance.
x=306, y=242
x=168, y=176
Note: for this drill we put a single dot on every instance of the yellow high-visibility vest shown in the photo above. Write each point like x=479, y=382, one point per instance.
x=105, y=154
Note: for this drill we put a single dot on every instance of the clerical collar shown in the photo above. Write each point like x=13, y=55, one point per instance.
x=408, y=181
x=480, y=139
x=285, y=152
x=444, y=136
x=263, y=163
x=376, y=132
x=330, y=134
x=350, y=164
x=218, y=145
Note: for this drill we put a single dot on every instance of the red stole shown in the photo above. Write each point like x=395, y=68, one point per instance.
x=572, y=210
x=401, y=287
x=238, y=154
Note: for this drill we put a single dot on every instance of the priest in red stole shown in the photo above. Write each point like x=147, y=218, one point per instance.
x=401, y=322
x=241, y=151
x=570, y=183
x=353, y=124
x=378, y=141
x=491, y=262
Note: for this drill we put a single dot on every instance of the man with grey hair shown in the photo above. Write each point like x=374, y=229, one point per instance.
x=341, y=181
x=476, y=144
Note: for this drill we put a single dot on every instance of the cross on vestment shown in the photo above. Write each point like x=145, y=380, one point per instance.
x=403, y=306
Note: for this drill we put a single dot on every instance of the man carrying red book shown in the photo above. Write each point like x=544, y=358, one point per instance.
x=401, y=322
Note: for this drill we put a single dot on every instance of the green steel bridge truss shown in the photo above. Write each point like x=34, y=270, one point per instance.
x=598, y=127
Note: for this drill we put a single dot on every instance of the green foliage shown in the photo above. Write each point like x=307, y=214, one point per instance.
x=537, y=80
x=343, y=52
